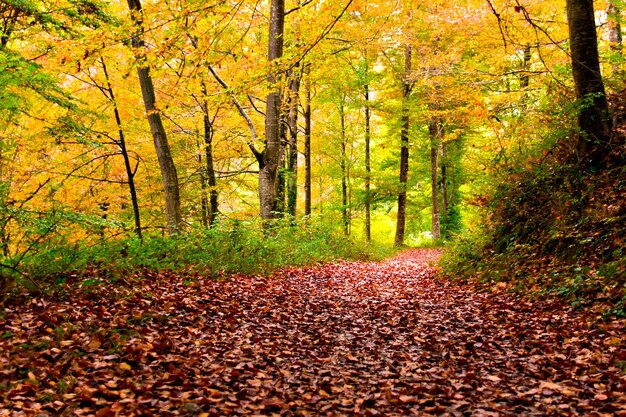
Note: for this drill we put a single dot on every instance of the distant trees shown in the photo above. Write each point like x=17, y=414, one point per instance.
x=328, y=81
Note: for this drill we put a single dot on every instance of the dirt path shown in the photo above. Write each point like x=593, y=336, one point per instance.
x=366, y=339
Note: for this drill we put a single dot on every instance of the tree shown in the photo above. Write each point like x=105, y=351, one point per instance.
x=593, y=112
x=435, y=129
x=307, y=142
x=292, y=160
x=271, y=156
x=404, y=149
x=368, y=166
x=121, y=143
x=153, y=113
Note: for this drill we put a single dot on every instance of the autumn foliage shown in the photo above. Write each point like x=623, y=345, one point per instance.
x=341, y=339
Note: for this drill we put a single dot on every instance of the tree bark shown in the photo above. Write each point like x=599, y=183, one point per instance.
x=593, y=114
x=615, y=27
x=307, y=143
x=444, y=185
x=164, y=155
x=404, y=150
x=213, y=207
x=292, y=160
x=436, y=133
x=268, y=173
x=204, y=201
x=615, y=36
x=344, y=173
x=368, y=168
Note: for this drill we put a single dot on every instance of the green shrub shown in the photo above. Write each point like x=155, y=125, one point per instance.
x=230, y=247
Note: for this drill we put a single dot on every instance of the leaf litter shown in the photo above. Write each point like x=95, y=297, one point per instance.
x=344, y=339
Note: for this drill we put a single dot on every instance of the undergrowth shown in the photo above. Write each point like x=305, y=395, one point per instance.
x=231, y=247
x=555, y=232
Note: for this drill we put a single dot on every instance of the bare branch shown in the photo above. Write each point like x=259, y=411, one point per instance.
x=243, y=114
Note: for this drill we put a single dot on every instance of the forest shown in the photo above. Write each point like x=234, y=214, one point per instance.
x=312, y=207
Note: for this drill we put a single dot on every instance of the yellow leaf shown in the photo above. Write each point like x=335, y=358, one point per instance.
x=124, y=366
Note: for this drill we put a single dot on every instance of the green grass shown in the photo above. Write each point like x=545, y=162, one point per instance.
x=231, y=247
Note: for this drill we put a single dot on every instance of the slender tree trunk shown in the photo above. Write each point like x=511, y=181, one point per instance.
x=615, y=35
x=130, y=174
x=343, y=166
x=593, y=115
x=444, y=185
x=268, y=173
x=307, y=143
x=615, y=27
x=204, y=201
x=524, y=78
x=292, y=167
x=213, y=208
x=436, y=134
x=4, y=193
x=404, y=150
x=281, y=187
x=368, y=168
x=166, y=162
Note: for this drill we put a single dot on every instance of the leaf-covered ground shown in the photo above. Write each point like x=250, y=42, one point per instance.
x=370, y=339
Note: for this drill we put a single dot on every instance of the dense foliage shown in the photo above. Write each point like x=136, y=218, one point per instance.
x=555, y=230
x=367, y=116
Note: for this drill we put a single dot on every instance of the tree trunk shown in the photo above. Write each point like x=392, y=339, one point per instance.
x=404, y=150
x=444, y=185
x=213, y=208
x=166, y=162
x=344, y=175
x=436, y=133
x=524, y=78
x=615, y=36
x=307, y=143
x=615, y=27
x=292, y=161
x=204, y=201
x=268, y=173
x=593, y=113
x=130, y=174
x=368, y=168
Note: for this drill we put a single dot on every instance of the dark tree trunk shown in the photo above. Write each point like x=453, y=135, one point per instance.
x=404, y=150
x=130, y=173
x=204, y=201
x=344, y=173
x=292, y=161
x=268, y=173
x=593, y=114
x=368, y=168
x=213, y=208
x=525, y=79
x=444, y=185
x=436, y=134
x=307, y=144
x=166, y=162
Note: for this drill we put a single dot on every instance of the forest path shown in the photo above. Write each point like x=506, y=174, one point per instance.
x=351, y=338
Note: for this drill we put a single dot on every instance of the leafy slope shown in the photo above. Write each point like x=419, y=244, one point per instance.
x=343, y=339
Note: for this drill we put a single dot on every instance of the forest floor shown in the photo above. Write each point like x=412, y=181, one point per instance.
x=350, y=338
